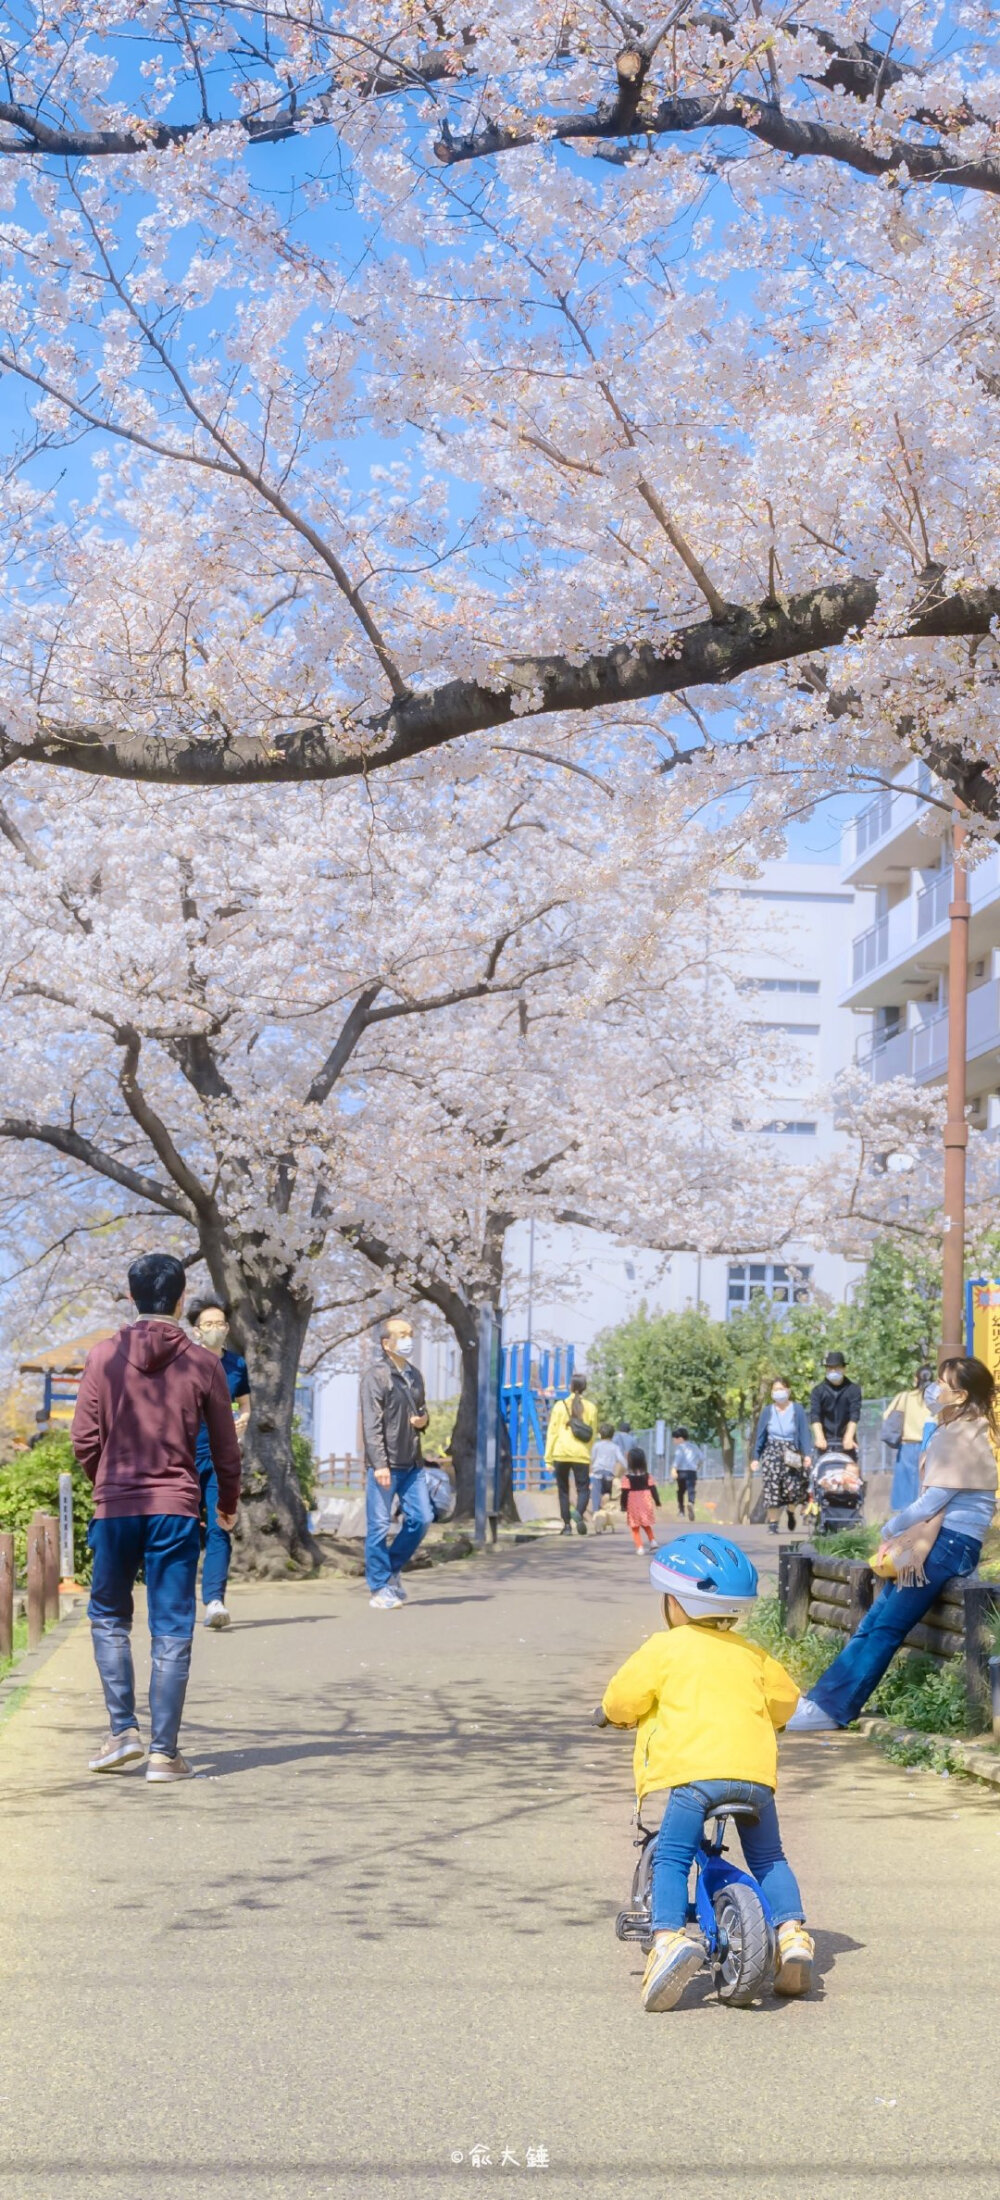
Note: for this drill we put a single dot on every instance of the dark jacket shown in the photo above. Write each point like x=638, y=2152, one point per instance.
x=388, y=1397
x=801, y=1437
x=139, y=1407
x=833, y=1405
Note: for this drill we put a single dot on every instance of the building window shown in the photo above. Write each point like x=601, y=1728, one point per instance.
x=789, y=1130
x=766, y=1279
x=778, y=985
x=798, y=1031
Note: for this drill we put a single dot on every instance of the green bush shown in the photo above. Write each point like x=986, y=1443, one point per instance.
x=304, y=1463
x=806, y=1656
x=918, y=1691
x=30, y=1484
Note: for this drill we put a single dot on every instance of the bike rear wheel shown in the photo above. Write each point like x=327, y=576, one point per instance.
x=746, y=1945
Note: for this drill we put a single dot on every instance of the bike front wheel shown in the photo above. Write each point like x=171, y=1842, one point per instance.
x=746, y=1945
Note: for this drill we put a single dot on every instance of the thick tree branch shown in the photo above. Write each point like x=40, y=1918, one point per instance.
x=710, y=654
x=351, y=1031
x=762, y=119
x=77, y=1148
x=152, y=1125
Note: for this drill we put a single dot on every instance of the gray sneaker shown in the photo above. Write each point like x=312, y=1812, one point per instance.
x=118, y=1751
x=809, y=1718
x=397, y=1589
x=163, y=1768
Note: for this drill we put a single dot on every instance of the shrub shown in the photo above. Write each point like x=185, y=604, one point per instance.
x=850, y=1543
x=30, y=1484
x=304, y=1463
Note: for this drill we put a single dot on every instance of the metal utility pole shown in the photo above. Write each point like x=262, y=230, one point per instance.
x=956, y=1130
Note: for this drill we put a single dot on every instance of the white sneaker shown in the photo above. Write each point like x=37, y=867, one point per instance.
x=216, y=1615
x=397, y=1589
x=809, y=1718
x=384, y=1600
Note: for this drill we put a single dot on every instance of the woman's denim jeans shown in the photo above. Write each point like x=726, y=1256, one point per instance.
x=680, y=1833
x=848, y=1682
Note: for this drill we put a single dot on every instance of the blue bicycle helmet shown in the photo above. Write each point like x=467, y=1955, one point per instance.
x=710, y=1577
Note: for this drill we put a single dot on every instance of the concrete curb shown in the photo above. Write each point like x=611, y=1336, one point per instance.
x=975, y=1758
x=18, y=1680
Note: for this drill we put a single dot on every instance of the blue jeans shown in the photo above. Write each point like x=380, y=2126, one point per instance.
x=848, y=1682
x=409, y=1484
x=680, y=1834
x=167, y=1547
x=905, y=1477
x=218, y=1543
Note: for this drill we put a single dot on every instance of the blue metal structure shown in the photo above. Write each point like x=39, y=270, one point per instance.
x=525, y=1404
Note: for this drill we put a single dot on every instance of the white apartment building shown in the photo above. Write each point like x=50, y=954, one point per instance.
x=899, y=863
x=576, y=1282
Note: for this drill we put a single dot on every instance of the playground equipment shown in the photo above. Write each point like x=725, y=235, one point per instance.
x=530, y=1383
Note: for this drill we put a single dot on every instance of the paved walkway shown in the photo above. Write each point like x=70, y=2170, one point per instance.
x=379, y=1931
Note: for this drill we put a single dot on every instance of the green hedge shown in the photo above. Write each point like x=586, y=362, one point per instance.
x=30, y=1484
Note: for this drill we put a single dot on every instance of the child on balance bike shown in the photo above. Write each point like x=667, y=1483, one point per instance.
x=705, y=1704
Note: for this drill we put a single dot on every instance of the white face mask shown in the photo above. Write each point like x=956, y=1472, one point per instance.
x=780, y=1396
x=835, y=1375
x=401, y=1346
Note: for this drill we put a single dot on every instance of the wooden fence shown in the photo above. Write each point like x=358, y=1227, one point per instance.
x=815, y=1590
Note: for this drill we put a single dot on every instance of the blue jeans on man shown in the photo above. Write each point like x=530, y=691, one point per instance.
x=166, y=1546
x=847, y=1684
x=680, y=1833
x=382, y=1562
x=218, y=1542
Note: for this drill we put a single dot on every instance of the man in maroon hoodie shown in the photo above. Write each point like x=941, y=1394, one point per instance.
x=140, y=1405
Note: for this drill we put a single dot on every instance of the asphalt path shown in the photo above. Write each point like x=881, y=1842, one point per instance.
x=377, y=1933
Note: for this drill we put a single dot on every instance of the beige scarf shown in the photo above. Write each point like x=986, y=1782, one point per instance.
x=960, y=1456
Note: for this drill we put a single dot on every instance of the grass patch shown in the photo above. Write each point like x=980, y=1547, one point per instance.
x=20, y=1646
x=806, y=1656
x=926, y=1756
x=850, y=1543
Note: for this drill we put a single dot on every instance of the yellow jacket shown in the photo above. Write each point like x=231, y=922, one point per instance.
x=560, y=1443
x=706, y=1704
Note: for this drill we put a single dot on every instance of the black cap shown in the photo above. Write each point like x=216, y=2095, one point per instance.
x=835, y=1359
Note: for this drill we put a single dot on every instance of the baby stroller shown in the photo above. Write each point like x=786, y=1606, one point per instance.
x=838, y=1491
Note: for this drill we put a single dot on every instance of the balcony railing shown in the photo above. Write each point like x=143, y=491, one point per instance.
x=870, y=824
x=932, y=904
x=870, y=949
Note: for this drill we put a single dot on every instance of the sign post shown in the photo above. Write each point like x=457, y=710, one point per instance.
x=66, y=1527
x=487, y=1420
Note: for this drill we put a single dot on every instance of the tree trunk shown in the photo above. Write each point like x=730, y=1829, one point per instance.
x=272, y=1535
x=465, y=1328
x=728, y=1464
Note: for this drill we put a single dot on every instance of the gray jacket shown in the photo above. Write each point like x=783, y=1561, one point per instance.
x=388, y=1397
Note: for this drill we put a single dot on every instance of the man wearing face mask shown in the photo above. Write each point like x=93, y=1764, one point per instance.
x=393, y=1413
x=835, y=1409
x=209, y=1319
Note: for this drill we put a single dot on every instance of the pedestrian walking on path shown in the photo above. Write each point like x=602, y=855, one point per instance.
x=142, y=1398
x=640, y=1498
x=605, y=1462
x=569, y=1441
x=209, y=1319
x=685, y=1469
x=935, y=1540
x=705, y=1705
x=393, y=1414
x=903, y=1424
x=782, y=1449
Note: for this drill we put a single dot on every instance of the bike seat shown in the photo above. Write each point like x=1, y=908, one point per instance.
x=744, y=1811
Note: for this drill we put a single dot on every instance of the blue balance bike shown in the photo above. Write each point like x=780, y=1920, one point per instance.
x=730, y=1910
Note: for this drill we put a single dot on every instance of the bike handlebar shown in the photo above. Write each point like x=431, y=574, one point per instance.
x=599, y=1716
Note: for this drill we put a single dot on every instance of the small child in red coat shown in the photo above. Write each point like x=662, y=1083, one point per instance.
x=639, y=1497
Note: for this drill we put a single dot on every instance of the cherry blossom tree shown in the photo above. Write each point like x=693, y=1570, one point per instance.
x=466, y=427
x=329, y=1042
